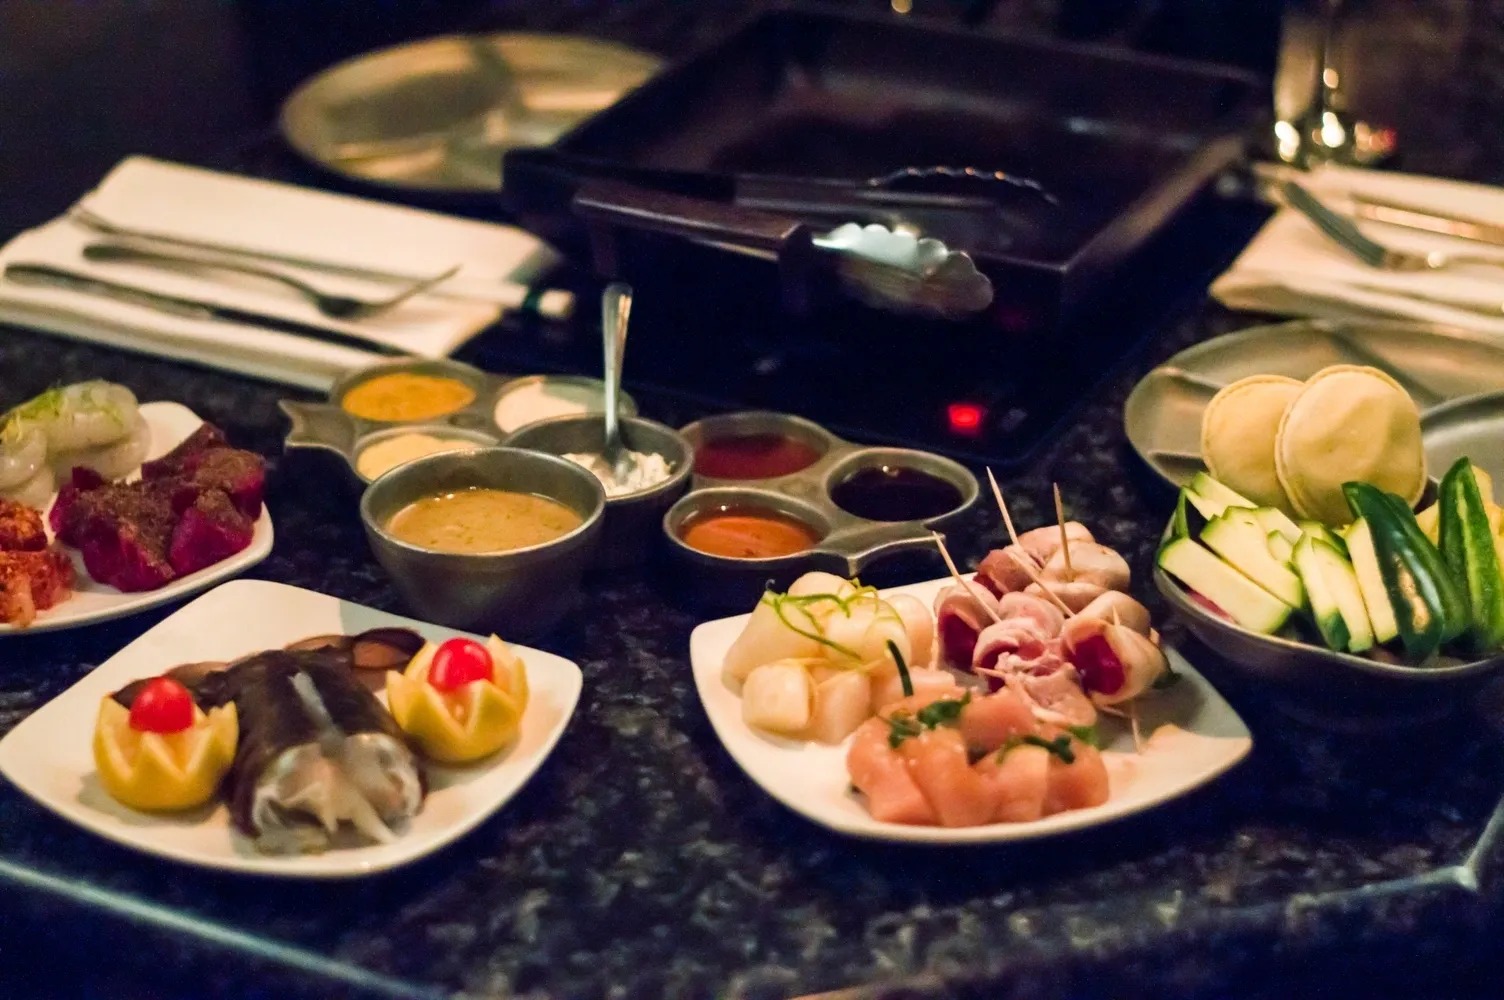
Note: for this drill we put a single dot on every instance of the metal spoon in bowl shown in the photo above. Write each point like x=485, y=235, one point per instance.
x=616, y=312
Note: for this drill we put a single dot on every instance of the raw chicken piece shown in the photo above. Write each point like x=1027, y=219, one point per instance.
x=928, y=684
x=1078, y=785
x=922, y=698
x=992, y=720
x=940, y=767
x=1021, y=777
x=880, y=774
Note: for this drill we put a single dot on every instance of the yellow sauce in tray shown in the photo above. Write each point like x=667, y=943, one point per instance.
x=405, y=396
x=382, y=456
x=482, y=521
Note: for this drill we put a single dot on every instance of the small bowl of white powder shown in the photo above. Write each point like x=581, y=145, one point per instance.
x=635, y=509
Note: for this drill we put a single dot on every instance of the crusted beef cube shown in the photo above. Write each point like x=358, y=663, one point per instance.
x=206, y=438
x=210, y=530
x=124, y=532
x=21, y=528
x=241, y=475
x=192, y=508
x=63, y=517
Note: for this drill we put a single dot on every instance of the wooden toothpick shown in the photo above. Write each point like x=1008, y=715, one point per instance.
x=1065, y=542
x=955, y=573
x=1021, y=557
x=1002, y=506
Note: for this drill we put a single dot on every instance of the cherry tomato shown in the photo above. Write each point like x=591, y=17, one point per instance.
x=163, y=706
x=459, y=662
x=1101, y=669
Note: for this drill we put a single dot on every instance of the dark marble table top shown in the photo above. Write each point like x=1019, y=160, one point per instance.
x=640, y=861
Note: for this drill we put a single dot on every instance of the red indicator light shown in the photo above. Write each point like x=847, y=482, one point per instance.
x=965, y=418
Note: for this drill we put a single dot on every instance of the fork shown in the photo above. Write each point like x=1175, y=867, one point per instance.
x=1346, y=235
x=335, y=306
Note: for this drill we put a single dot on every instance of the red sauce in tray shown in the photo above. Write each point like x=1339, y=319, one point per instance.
x=753, y=456
x=747, y=533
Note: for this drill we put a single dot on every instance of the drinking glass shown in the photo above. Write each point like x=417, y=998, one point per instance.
x=1312, y=124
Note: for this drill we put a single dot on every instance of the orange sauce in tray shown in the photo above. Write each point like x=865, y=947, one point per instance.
x=404, y=396
x=747, y=533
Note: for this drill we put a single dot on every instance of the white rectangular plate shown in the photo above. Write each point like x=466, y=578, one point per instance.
x=92, y=601
x=49, y=757
x=1204, y=737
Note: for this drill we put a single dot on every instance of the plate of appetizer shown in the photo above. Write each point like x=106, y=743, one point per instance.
x=276, y=731
x=1031, y=699
x=1317, y=551
x=108, y=507
x=1438, y=366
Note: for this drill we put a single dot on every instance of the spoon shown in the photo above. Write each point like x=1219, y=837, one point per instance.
x=616, y=312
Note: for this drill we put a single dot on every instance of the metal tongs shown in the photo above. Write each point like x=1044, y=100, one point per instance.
x=895, y=271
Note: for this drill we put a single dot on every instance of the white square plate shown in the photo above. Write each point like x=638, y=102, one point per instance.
x=1204, y=738
x=92, y=601
x=49, y=756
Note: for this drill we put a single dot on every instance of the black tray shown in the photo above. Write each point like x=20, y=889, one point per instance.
x=803, y=101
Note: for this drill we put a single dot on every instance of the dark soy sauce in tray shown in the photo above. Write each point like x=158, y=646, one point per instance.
x=895, y=493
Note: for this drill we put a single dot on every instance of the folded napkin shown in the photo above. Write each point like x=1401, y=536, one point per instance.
x=173, y=200
x=1291, y=268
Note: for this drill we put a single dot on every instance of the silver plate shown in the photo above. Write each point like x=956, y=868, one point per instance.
x=438, y=114
x=1442, y=368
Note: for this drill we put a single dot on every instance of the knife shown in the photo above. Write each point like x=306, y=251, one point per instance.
x=1427, y=220
x=56, y=277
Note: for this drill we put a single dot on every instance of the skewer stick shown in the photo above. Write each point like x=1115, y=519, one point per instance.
x=1027, y=567
x=1025, y=561
x=950, y=564
x=1065, y=542
x=1002, y=506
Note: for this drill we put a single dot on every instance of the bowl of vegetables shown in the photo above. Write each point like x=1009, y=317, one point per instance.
x=1397, y=608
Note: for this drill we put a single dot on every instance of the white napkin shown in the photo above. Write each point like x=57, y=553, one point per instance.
x=1291, y=268
x=201, y=205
